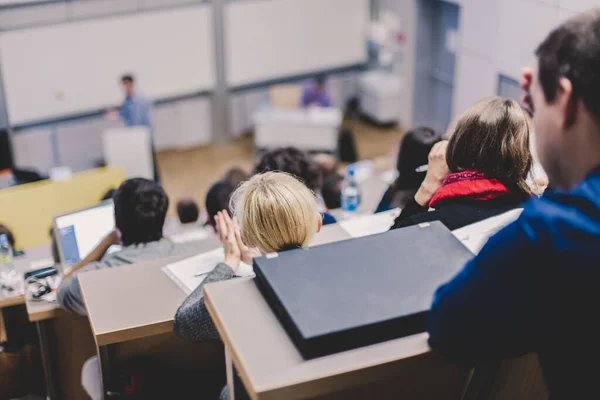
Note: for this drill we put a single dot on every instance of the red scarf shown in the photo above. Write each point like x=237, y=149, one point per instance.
x=472, y=185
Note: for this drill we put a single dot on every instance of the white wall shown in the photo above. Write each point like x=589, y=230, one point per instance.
x=406, y=10
x=500, y=37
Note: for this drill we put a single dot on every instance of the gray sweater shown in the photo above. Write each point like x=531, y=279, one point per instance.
x=192, y=320
x=69, y=292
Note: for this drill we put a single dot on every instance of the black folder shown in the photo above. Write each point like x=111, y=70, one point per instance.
x=358, y=292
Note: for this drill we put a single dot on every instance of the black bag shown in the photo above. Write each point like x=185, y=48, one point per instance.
x=347, y=147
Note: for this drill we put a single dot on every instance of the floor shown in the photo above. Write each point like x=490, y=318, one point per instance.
x=190, y=173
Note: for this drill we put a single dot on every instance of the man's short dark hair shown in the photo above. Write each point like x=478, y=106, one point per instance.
x=140, y=210
x=573, y=51
x=187, y=211
x=127, y=78
x=217, y=199
x=294, y=162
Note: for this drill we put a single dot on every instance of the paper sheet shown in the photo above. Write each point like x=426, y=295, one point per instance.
x=194, y=235
x=370, y=224
x=476, y=235
x=189, y=273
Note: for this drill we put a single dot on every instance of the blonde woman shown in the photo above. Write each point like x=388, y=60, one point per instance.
x=272, y=212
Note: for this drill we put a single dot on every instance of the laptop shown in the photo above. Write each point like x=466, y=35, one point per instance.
x=78, y=233
x=358, y=292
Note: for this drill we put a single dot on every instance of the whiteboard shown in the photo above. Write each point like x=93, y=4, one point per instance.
x=61, y=70
x=270, y=39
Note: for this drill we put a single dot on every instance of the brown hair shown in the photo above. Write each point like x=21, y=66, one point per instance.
x=492, y=137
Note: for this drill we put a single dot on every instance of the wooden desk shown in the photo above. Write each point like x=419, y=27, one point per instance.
x=22, y=264
x=136, y=320
x=66, y=342
x=271, y=367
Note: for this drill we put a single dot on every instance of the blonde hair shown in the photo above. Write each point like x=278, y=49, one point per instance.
x=275, y=211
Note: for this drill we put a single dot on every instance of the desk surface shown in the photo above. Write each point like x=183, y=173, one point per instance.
x=267, y=360
x=23, y=264
x=143, y=300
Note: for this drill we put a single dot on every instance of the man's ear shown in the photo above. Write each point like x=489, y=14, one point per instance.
x=319, y=222
x=567, y=101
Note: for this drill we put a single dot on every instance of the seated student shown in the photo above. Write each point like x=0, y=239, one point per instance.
x=217, y=199
x=140, y=209
x=275, y=212
x=316, y=94
x=481, y=172
x=187, y=211
x=299, y=164
x=533, y=288
x=412, y=155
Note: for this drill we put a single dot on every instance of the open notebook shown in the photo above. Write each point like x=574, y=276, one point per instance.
x=476, y=235
x=189, y=273
x=370, y=224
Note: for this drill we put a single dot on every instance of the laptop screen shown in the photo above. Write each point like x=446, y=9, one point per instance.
x=78, y=233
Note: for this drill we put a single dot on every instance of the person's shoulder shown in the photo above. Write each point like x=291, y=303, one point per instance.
x=562, y=213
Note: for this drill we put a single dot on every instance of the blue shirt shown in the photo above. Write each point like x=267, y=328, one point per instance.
x=136, y=111
x=533, y=288
x=312, y=96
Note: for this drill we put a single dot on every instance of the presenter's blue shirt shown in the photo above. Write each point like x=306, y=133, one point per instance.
x=533, y=288
x=136, y=111
x=313, y=96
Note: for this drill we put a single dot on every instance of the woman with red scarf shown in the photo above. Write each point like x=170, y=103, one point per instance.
x=481, y=172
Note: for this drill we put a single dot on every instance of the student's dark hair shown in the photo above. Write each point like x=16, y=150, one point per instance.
x=217, y=199
x=332, y=190
x=127, y=78
x=187, y=211
x=9, y=235
x=140, y=210
x=236, y=176
x=572, y=51
x=294, y=162
x=110, y=193
x=413, y=153
x=492, y=137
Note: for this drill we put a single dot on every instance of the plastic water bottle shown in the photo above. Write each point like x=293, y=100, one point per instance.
x=350, y=194
x=7, y=268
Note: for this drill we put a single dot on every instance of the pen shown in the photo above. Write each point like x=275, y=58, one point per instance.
x=200, y=274
x=422, y=168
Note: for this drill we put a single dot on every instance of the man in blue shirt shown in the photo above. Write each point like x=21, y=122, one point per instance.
x=136, y=110
x=136, y=107
x=534, y=287
x=316, y=94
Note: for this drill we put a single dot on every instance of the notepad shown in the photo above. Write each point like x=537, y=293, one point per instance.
x=193, y=235
x=370, y=224
x=476, y=235
x=189, y=273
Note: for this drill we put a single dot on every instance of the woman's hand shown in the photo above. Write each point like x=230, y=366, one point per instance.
x=248, y=253
x=227, y=235
x=437, y=171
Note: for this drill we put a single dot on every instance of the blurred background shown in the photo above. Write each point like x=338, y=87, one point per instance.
x=225, y=79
